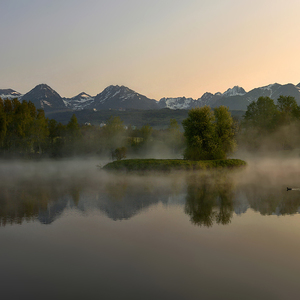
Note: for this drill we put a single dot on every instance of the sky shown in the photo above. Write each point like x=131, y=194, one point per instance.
x=159, y=48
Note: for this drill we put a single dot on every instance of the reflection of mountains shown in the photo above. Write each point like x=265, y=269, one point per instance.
x=132, y=205
x=54, y=210
x=207, y=198
x=29, y=200
x=120, y=199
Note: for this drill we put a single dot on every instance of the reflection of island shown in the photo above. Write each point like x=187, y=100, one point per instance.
x=208, y=198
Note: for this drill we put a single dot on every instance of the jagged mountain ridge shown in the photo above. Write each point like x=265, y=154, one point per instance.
x=177, y=103
x=235, y=91
x=122, y=98
x=240, y=102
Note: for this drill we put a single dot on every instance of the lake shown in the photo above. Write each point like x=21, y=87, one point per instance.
x=71, y=231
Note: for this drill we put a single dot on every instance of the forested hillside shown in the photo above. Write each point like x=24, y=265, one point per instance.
x=158, y=119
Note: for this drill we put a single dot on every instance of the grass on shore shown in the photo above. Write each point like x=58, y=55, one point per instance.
x=132, y=165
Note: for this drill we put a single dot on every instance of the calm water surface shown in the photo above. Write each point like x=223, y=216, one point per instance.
x=70, y=231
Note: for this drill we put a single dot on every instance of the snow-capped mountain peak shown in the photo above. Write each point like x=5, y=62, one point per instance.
x=121, y=97
x=84, y=95
x=177, y=103
x=43, y=96
x=235, y=91
x=9, y=94
x=79, y=102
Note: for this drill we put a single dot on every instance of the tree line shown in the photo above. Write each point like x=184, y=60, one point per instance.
x=210, y=197
x=270, y=126
x=266, y=126
x=208, y=134
x=26, y=132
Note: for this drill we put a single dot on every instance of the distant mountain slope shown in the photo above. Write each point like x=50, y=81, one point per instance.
x=81, y=101
x=121, y=97
x=240, y=102
x=235, y=98
x=9, y=94
x=206, y=99
x=43, y=96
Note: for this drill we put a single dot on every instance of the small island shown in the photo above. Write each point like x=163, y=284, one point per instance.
x=167, y=165
x=209, y=138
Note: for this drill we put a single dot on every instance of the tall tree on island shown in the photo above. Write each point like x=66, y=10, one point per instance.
x=209, y=135
x=224, y=127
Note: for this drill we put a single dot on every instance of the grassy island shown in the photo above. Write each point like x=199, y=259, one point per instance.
x=132, y=165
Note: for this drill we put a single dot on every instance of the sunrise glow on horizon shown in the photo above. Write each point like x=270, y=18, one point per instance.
x=166, y=48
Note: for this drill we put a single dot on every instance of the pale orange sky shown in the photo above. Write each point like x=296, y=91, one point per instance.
x=158, y=48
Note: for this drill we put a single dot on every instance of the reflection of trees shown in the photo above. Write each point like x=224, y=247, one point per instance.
x=45, y=199
x=290, y=203
x=209, y=199
x=268, y=199
x=264, y=199
x=22, y=203
x=226, y=207
x=27, y=200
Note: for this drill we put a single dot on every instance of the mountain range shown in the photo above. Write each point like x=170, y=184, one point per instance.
x=122, y=98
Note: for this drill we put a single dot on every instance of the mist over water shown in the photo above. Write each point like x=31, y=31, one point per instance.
x=180, y=235
x=31, y=189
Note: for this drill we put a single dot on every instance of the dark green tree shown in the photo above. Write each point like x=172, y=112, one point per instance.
x=73, y=129
x=119, y=153
x=262, y=114
x=200, y=134
x=288, y=108
x=40, y=131
x=224, y=127
x=72, y=137
x=205, y=137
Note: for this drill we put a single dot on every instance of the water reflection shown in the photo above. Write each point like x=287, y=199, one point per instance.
x=208, y=198
x=31, y=199
x=165, y=248
x=118, y=197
